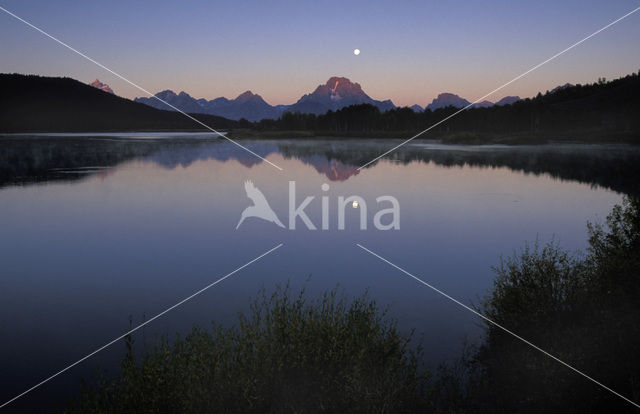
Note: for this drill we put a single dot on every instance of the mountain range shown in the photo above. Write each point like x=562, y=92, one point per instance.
x=336, y=93
x=247, y=105
x=449, y=99
x=605, y=110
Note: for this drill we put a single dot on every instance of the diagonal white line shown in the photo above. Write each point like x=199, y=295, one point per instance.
x=140, y=326
x=501, y=87
x=136, y=86
x=499, y=326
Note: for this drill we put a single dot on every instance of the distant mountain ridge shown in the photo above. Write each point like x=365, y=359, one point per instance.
x=447, y=99
x=102, y=86
x=336, y=93
x=508, y=100
x=247, y=105
x=31, y=103
x=450, y=99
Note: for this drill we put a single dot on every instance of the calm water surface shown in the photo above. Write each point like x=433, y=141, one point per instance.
x=94, y=229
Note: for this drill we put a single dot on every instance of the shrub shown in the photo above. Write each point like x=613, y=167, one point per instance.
x=583, y=310
x=287, y=355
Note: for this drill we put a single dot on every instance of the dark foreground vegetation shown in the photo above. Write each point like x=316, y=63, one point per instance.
x=287, y=355
x=584, y=309
x=334, y=355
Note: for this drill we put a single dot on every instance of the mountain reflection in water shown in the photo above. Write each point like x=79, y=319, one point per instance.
x=33, y=159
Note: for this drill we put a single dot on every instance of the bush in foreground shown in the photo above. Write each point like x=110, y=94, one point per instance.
x=581, y=309
x=286, y=355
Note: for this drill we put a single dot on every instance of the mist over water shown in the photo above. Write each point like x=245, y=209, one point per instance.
x=99, y=228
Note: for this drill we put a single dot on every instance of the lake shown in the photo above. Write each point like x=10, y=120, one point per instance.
x=98, y=228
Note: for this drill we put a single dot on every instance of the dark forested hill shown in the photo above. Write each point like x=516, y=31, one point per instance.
x=30, y=103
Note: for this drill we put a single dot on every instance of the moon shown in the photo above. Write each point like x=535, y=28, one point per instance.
x=356, y=52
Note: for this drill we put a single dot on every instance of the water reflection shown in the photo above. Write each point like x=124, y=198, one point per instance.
x=129, y=226
x=34, y=159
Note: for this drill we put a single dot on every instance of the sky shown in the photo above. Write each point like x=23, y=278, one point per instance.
x=410, y=50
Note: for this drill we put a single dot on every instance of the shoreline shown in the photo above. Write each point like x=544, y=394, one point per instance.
x=461, y=138
x=458, y=138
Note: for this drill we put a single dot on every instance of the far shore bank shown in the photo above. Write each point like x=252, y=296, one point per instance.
x=459, y=138
x=469, y=138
